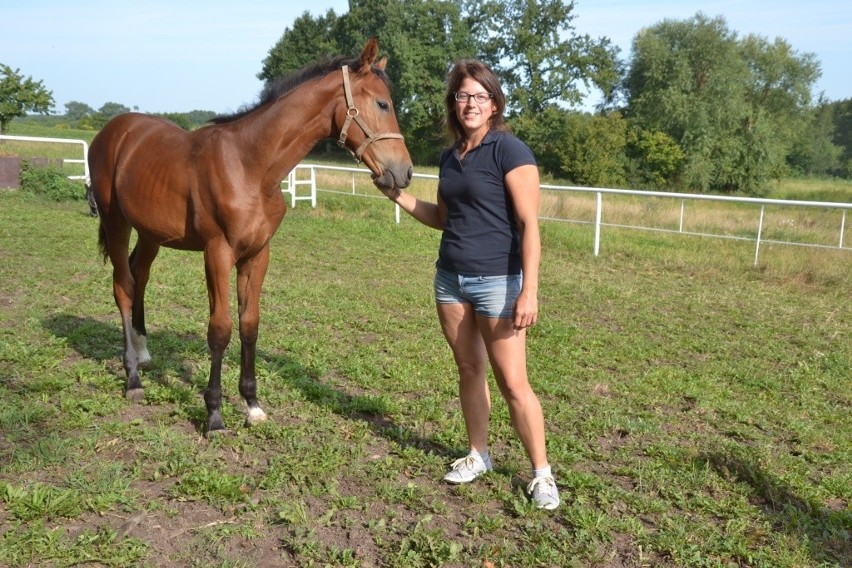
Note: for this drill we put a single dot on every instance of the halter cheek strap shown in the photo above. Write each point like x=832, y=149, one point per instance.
x=352, y=115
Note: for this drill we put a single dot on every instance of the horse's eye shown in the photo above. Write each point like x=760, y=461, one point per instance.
x=383, y=105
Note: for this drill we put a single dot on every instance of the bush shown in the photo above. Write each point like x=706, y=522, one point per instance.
x=49, y=182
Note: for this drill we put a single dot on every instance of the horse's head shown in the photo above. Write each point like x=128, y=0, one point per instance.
x=369, y=128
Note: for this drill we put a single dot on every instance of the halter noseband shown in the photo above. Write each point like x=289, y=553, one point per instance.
x=352, y=114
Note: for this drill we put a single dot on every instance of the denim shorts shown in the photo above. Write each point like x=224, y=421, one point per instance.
x=491, y=296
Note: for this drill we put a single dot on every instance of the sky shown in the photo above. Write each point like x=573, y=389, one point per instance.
x=179, y=56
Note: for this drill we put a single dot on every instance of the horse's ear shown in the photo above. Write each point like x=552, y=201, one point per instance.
x=368, y=55
x=381, y=64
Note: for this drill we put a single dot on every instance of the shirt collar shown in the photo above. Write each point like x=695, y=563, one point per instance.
x=490, y=138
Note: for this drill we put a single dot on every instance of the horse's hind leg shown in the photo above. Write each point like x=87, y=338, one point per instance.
x=90, y=199
x=140, y=269
x=115, y=239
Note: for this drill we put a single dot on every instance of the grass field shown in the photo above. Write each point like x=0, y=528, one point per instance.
x=697, y=408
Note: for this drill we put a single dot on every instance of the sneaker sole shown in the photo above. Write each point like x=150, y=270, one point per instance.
x=551, y=506
x=463, y=481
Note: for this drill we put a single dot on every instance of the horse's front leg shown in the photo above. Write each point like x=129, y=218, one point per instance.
x=250, y=275
x=218, y=261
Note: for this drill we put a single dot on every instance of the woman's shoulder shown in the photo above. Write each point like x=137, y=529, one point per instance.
x=513, y=147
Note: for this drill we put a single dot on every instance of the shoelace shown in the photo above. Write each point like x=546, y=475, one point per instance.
x=546, y=480
x=467, y=461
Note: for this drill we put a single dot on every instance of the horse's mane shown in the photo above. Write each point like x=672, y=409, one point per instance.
x=284, y=84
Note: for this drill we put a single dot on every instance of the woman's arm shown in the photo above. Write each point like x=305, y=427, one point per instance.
x=523, y=186
x=430, y=214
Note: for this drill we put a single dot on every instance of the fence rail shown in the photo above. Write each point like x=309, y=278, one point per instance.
x=293, y=181
x=83, y=160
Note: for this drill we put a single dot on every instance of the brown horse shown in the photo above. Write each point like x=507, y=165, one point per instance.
x=217, y=190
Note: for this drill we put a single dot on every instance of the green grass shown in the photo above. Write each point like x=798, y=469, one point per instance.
x=697, y=408
x=25, y=128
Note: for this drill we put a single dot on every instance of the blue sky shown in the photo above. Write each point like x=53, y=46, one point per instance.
x=170, y=56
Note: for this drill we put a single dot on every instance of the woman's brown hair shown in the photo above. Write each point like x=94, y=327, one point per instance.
x=481, y=73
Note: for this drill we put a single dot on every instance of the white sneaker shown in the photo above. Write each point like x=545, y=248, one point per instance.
x=467, y=469
x=544, y=493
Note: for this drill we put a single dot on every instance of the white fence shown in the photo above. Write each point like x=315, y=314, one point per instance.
x=82, y=160
x=293, y=181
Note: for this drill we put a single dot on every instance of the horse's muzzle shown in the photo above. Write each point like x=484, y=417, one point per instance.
x=393, y=178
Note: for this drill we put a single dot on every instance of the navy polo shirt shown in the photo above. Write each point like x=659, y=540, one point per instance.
x=480, y=235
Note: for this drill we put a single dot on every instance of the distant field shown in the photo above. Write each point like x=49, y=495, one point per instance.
x=18, y=128
x=697, y=408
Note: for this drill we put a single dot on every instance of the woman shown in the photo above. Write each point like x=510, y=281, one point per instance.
x=487, y=270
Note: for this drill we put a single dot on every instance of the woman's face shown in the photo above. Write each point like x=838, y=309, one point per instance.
x=474, y=116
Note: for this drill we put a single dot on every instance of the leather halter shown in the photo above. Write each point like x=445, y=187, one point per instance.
x=352, y=114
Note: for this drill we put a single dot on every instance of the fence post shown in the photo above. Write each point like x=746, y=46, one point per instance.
x=313, y=188
x=682, y=207
x=598, y=223
x=842, y=229
x=291, y=186
x=759, y=233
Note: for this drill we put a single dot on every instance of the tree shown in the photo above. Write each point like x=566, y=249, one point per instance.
x=841, y=112
x=655, y=158
x=19, y=95
x=106, y=112
x=309, y=40
x=813, y=152
x=75, y=110
x=584, y=148
x=179, y=118
x=686, y=80
x=543, y=133
x=540, y=58
x=732, y=106
x=779, y=111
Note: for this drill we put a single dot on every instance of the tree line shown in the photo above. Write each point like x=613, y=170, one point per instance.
x=82, y=116
x=692, y=107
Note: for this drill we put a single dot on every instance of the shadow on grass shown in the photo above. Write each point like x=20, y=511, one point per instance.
x=825, y=531
x=102, y=342
x=99, y=341
x=364, y=408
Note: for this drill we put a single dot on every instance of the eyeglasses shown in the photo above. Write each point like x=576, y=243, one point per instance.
x=481, y=98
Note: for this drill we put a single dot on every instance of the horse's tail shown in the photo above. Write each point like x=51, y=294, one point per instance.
x=102, y=240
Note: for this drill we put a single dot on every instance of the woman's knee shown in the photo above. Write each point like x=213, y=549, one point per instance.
x=470, y=369
x=515, y=388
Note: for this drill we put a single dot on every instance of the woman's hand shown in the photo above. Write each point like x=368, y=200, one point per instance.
x=526, y=310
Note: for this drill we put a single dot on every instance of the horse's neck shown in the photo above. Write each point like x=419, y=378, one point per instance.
x=283, y=133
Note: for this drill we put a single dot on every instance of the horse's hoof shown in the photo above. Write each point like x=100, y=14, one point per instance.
x=134, y=395
x=255, y=416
